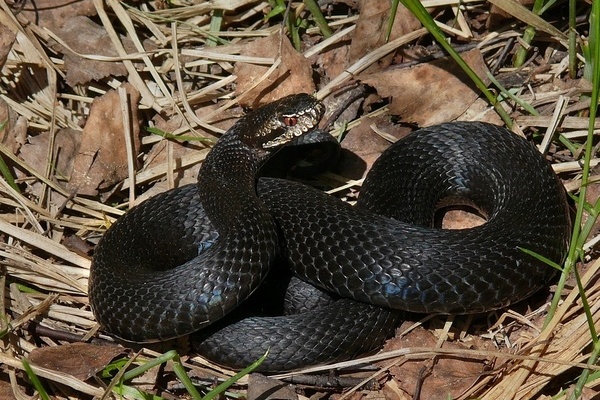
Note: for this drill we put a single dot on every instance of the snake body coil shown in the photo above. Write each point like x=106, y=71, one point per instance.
x=149, y=281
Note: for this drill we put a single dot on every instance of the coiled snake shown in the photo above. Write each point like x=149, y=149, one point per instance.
x=155, y=274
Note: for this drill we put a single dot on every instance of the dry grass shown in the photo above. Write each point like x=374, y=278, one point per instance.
x=45, y=282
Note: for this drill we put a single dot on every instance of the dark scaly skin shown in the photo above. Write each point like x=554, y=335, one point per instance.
x=341, y=331
x=357, y=253
x=349, y=250
x=147, y=281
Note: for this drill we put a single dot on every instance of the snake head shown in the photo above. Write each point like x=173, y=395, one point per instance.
x=278, y=123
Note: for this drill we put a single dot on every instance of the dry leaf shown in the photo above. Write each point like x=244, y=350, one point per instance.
x=85, y=37
x=392, y=391
x=371, y=29
x=102, y=157
x=35, y=153
x=448, y=377
x=329, y=61
x=265, y=388
x=81, y=360
x=367, y=145
x=54, y=14
x=7, y=38
x=66, y=144
x=430, y=93
x=6, y=391
x=13, y=128
x=293, y=75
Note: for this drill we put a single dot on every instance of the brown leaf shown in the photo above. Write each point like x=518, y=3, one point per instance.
x=21, y=390
x=102, y=157
x=6, y=391
x=363, y=142
x=66, y=143
x=265, y=388
x=293, y=75
x=7, y=38
x=447, y=377
x=430, y=93
x=391, y=390
x=371, y=29
x=13, y=132
x=81, y=360
x=35, y=153
x=54, y=14
x=329, y=61
x=85, y=37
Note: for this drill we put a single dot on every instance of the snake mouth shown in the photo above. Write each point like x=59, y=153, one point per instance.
x=294, y=125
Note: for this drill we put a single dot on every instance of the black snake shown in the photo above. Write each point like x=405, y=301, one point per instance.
x=163, y=271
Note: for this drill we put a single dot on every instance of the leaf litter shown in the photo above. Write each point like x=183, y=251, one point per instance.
x=80, y=162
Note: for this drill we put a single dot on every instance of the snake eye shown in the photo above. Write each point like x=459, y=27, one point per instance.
x=290, y=121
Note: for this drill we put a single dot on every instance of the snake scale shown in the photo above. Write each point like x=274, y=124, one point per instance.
x=186, y=258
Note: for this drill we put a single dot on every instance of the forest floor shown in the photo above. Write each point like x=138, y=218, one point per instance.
x=104, y=104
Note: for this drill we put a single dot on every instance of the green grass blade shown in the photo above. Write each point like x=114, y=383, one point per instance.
x=216, y=22
x=179, y=138
x=35, y=381
x=113, y=367
x=533, y=19
x=133, y=393
x=590, y=223
x=393, y=11
x=177, y=368
x=572, y=39
x=542, y=259
x=526, y=106
x=277, y=7
x=576, y=239
x=423, y=16
x=4, y=168
x=585, y=375
x=579, y=234
x=137, y=371
x=320, y=20
x=7, y=175
x=225, y=385
x=586, y=307
x=185, y=379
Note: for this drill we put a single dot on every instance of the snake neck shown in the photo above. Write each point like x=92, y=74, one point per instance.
x=227, y=179
x=227, y=183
